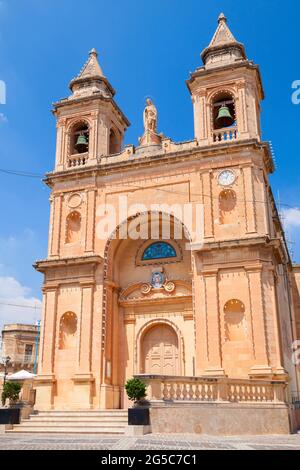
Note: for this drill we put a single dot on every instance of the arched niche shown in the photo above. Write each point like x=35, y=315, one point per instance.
x=227, y=206
x=73, y=227
x=67, y=331
x=234, y=320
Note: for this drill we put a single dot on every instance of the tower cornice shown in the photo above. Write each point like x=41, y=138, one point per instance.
x=202, y=72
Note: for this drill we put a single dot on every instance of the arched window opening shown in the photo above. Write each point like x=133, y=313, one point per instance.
x=227, y=206
x=67, y=331
x=159, y=250
x=80, y=138
x=234, y=319
x=114, y=142
x=73, y=227
x=223, y=110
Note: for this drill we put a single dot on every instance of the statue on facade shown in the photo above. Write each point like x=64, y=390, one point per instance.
x=150, y=117
x=150, y=136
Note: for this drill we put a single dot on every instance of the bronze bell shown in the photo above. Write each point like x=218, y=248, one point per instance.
x=224, y=118
x=81, y=144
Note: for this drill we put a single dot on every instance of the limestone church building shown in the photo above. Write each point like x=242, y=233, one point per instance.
x=199, y=318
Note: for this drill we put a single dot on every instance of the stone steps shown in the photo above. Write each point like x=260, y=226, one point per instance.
x=74, y=422
x=52, y=419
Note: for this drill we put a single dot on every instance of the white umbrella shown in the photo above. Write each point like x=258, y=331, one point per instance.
x=21, y=375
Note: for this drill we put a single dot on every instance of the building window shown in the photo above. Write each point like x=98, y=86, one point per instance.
x=73, y=227
x=227, y=206
x=67, y=331
x=234, y=319
x=159, y=250
x=28, y=353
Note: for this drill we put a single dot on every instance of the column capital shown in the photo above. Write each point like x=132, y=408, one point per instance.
x=210, y=272
x=87, y=283
x=253, y=268
x=50, y=288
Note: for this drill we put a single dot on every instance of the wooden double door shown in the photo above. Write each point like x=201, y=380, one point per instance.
x=160, y=351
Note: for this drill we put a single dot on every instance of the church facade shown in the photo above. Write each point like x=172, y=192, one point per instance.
x=190, y=311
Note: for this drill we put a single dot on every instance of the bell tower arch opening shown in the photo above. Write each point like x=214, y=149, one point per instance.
x=223, y=110
x=79, y=138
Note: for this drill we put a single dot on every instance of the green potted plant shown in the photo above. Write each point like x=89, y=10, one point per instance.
x=136, y=392
x=11, y=391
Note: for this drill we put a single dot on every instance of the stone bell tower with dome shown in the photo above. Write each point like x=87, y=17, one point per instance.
x=209, y=322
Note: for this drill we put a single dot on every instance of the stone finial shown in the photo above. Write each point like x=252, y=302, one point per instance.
x=223, y=46
x=221, y=18
x=92, y=74
x=93, y=52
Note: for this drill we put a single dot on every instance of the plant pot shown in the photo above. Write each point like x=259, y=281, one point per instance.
x=10, y=416
x=138, y=416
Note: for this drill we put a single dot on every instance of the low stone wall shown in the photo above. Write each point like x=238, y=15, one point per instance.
x=220, y=419
x=297, y=418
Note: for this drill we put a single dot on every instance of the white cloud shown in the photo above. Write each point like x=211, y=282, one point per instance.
x=291, y=217
x=12, y=294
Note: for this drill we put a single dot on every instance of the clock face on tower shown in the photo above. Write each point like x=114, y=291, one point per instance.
x=226, y=178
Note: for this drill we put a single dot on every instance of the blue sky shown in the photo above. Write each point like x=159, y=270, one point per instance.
x=145, y=48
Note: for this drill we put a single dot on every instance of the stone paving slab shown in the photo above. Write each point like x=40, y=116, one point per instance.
x=147, y=442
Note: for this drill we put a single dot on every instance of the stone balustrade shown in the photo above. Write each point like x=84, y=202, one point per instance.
x=225, y=135
x=79, y=159
x=214, y=389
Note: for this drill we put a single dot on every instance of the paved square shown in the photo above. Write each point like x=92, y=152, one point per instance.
x=147, y=442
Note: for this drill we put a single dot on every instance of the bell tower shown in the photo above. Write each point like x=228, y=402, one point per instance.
x=89, y=122
x=226, y=91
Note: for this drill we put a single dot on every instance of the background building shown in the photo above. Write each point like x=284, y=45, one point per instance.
x=19, y=343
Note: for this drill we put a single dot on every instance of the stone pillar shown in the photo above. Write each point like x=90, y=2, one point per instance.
x=90, y=220
x=109, y=393
x=214, y=359
x=56, y=225
x=129, y=353
x=200, y=319
x=83, y=379
x=279, y=369
x=208, y=205
x=262, y=366
x=249, y=201
x=45, y=380
x=200, y=118
x=241, y=110
x=93, y=139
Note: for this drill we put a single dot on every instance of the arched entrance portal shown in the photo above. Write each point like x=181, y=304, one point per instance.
x=159, y=351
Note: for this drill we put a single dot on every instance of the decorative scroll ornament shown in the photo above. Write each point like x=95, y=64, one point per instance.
x=158, y=281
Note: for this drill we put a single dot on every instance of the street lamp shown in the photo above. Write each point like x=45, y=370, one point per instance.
x=6, y=362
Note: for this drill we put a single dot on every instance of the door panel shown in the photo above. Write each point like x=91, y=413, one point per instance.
x=160, y=351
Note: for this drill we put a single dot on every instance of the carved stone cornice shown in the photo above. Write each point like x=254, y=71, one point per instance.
x=43, y=265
